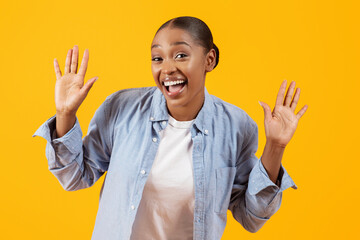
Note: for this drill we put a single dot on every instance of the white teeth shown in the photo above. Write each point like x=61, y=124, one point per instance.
x=170, y=83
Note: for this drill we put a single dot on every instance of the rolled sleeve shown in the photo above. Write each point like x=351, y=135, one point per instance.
x=263, y=196
x=69, y=144
x=260, y=180
x=72, y=140
x=75, y=161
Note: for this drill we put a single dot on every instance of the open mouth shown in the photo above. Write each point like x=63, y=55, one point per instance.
x=174, y=87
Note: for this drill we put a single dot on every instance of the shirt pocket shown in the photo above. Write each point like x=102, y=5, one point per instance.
x=224, y=182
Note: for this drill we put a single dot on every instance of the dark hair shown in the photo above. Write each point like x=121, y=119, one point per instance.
x=197, y=28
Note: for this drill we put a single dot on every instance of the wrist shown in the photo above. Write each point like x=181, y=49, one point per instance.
x=65, y=114
x=272, y=144
x=64, y=122
x=271, y=159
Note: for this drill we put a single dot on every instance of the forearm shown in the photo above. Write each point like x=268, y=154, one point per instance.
x=64, y=122
x=66, y=158
x=271, y=159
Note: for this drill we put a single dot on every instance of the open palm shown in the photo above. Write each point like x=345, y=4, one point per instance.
x=70, y=90
x=281, y=123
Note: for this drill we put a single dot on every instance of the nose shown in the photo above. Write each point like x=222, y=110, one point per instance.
x=168, y=67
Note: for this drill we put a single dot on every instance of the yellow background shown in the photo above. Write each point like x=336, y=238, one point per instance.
x=315, y=43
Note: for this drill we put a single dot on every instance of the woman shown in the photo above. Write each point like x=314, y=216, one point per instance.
x=176, y=157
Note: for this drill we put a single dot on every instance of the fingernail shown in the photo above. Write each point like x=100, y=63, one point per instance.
x=260, y=103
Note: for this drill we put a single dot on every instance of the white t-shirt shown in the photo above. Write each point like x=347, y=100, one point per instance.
x=166, y=210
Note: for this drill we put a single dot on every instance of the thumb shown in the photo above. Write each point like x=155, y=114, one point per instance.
x=87, y=86
x=267, y=110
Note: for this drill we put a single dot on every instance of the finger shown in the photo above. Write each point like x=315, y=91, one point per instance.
x=289, y=94
x=281, y=93
x=74, y=59
x=84, y=63
x=302, y=111
x=87, y=86
x=57, y=69
x=295, y=100
x=68, y=61
x=267, y=111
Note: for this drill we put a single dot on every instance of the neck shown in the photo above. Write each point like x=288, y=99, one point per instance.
x=189, y=112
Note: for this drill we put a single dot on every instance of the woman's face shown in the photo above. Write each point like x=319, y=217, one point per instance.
x=179, y=66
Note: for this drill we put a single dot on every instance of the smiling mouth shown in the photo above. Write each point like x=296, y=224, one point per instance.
x=174, y=86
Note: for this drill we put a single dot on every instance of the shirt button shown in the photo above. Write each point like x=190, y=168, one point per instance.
x=143, y=172
x=198, y=219
x=206, y=131
x=154, y=139
x=132, y=207
x=200, y=184
x=151, y=118
x=163, y=123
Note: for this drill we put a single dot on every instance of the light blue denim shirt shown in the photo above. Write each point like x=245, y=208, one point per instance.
x=122, y=140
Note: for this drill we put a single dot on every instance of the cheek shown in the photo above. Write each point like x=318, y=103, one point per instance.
x=155, y=72
x=195, y=69
x=153, y=69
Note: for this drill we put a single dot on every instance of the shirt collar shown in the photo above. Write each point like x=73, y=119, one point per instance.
x=202, y=121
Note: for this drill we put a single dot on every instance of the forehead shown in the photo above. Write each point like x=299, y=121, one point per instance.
x=169, y=36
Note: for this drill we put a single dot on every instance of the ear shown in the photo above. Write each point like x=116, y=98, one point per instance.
x=210, y=60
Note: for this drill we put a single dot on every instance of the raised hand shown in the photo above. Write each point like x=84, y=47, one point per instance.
x=70, y=90
x=281, y=123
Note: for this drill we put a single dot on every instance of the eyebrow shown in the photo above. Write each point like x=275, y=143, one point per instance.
x=175, y=43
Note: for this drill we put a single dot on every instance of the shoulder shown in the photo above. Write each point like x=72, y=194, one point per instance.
x=129, y=100
x=233, y=115
x=131, y=95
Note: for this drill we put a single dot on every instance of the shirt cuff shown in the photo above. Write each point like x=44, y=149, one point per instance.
x=72, y=139
x=259, y=179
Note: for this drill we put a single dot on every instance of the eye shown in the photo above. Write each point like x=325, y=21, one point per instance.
x=181, y=54
x=156, y=59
